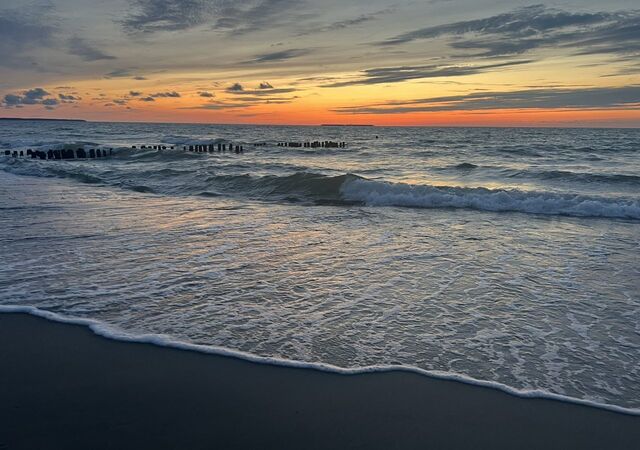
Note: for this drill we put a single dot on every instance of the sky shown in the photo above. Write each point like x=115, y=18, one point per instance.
x=405, y=62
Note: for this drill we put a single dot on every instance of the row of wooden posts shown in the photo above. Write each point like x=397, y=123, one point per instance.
x=314, y=144
x=198, y=148
x=81, y=153
x=61, y=154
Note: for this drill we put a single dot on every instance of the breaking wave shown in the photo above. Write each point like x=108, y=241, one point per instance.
x=379, y=193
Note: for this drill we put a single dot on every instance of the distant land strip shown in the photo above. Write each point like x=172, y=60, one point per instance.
x=345, y=125
x=39, y=119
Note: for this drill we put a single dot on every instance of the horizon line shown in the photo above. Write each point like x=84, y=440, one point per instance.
x=53, y=119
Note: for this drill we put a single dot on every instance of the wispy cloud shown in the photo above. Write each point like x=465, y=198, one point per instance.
x=282, y=55
x=86, y=51
x=626, y=97
x=265, y=89
x=172, y=94
x=123, y=73
x=24, y=29
x=346, y=23
x=405, y=73
x=534, y=27
x=150, y=16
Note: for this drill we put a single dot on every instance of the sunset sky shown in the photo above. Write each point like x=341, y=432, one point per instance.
x=405, y=62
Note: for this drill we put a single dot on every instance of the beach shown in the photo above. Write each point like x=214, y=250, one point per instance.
x=62, y=387
x=284, y=224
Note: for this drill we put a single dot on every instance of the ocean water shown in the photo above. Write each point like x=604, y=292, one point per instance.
x=505, y=256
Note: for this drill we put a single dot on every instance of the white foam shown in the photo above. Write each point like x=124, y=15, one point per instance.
x=110, y=332
x=380, y=193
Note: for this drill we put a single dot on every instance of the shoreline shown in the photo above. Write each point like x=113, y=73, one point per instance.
x=109, y=332
x=81, y=390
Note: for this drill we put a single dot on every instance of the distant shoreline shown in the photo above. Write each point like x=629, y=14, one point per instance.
x=345, y=125
x=534, y=127
x=20, y=119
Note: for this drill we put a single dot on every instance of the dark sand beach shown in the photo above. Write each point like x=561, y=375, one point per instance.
x=62, y=387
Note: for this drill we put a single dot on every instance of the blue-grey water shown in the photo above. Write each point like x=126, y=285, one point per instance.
x=505, y=255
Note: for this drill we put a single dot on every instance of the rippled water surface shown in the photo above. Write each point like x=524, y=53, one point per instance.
x=507, y=255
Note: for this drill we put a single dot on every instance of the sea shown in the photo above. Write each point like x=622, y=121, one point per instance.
x=504, y=257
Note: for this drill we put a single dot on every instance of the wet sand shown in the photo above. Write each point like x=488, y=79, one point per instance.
x=62, y=387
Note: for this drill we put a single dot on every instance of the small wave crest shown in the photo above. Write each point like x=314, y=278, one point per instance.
x=297, y=187
x=569, y=176
x=466, y=166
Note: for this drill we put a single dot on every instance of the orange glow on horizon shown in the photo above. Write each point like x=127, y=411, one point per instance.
x=295, y=104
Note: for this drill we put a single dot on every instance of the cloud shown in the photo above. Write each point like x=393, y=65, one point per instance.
x=151, y=16
x=347, y=23
x=264, y=91
x=626, y=97
x=147, y=99
x=65, y=98
x=235, y=87
x=135, y=93
x=27, y=30
x=172, y=94
x=123, y=73
x=206, y=94
x=244, y=102
x=217, y=106
x=23, y=30
x=261, y=92
x=35, y=96
x=533, y=27
x=405, y=73
x=278, y=56
x=68, y=97
x=81, y=48
x=119, y=73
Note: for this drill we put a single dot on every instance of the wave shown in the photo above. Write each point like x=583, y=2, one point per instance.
x=465, y=166
x=110, y=332
x=300, y=186
x=380, y=193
